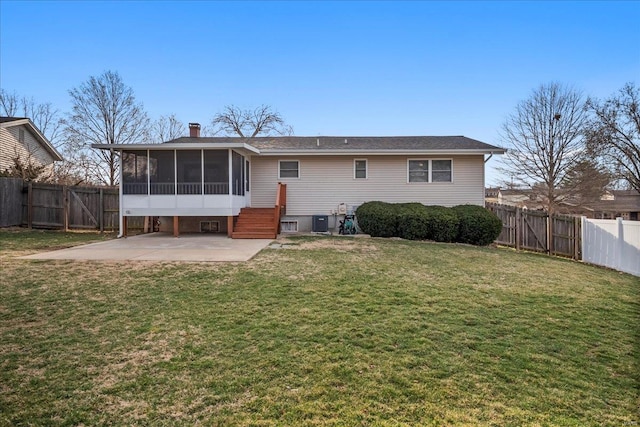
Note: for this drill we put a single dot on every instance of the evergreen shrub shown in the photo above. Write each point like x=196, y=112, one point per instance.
x=478, y=226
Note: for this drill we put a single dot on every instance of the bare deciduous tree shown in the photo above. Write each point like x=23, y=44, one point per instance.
x=167, y=128
x=249, y=123
x=46, y=118
x=104, y=111
x=614, y=134
x=544, y=137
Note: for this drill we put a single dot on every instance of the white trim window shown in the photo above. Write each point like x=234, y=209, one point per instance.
x=442, y=170
x=360, y=169
x=288, y=169
x=289, y=226
x=429, y=170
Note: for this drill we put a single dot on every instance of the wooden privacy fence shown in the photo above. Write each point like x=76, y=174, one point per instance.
x=535, y=231
x=38, y=205
x=10, y=202
x=58, y=206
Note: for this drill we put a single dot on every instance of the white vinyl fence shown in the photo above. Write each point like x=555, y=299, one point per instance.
x=612, y=243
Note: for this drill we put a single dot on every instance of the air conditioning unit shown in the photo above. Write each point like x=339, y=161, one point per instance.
x=320, y=224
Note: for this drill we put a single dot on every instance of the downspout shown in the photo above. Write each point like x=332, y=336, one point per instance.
x=120, y=220
x=484, y=177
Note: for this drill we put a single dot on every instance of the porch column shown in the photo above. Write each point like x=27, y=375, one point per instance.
x=229, y=226
x=176, y=228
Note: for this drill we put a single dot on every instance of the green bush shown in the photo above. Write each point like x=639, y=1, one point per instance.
x=413, y=221
x=378, y=219
x=478, y=226
x=419, y=222
x=442, y=224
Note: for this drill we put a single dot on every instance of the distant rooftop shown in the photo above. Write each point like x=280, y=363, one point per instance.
x=11, y=119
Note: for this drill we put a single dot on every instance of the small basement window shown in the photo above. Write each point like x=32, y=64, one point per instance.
x=289, y=226
x=209, y=226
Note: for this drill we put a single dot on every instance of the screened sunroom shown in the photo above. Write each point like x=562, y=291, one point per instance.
x=184, y=179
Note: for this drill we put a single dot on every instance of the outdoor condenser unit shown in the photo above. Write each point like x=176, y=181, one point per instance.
x=320, y=224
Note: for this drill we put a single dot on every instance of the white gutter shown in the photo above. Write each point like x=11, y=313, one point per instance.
x=174, y=146
x=297, y=152
x=378, y=152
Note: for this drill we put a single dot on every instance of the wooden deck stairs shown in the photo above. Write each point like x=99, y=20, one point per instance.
x=261, y=223
x=255, y=223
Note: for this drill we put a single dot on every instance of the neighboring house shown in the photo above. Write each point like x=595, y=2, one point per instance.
x=623, y=204
x=613, y=204
x=20, y=138
x=522, y=198
x=200, y=184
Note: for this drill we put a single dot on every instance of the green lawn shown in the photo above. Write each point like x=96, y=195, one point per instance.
x=328, y=331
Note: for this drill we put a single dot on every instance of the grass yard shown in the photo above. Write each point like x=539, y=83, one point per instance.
x=327, y=331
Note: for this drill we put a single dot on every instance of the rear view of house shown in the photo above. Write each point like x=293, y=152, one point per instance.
x=228, y=184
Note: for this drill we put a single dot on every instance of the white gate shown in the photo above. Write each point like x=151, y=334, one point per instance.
x=612, y=243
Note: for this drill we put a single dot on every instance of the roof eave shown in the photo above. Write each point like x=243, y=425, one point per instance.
x=180, y=145
x=379, y=152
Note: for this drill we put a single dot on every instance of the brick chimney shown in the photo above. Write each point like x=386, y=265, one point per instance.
x=194, y=130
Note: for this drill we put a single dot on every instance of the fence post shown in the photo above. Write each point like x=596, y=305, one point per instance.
x=101, y=211
x=65, y=207
x=30, y=205
x=620, y=242
x=549, y=234
x=518, y=227
x=583, y=220
x=578, y=239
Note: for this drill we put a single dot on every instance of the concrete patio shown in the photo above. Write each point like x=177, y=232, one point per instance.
x=163, y=247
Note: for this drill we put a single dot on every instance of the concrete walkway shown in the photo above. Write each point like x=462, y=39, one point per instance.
x=163, y=247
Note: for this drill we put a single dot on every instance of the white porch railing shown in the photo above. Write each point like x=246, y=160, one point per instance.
x=169, y=188
x=216, y=188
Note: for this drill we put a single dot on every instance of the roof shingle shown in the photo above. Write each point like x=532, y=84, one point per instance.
x=332, y=143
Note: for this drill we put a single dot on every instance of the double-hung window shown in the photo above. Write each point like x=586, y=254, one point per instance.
x=429, y=170
x=288, y=169
x=441, y=171
x=360, y=169
x=418, y=170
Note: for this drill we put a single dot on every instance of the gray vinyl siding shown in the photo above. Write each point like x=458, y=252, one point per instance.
x=31, y=149
x=325, y=182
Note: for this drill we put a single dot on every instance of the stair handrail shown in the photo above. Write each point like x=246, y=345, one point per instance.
x=281, y=205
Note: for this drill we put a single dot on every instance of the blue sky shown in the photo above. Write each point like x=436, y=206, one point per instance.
x=330, y=68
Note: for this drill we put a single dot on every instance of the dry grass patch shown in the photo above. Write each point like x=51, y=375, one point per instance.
x=334, y=332
x=338, y=244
